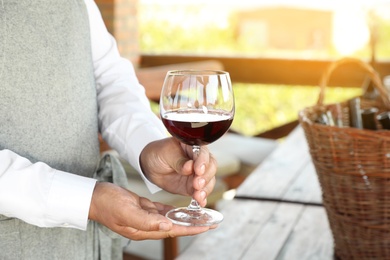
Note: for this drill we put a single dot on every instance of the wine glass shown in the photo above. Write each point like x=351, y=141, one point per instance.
x=197, y=108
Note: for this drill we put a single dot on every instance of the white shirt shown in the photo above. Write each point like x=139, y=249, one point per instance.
x=46, y=197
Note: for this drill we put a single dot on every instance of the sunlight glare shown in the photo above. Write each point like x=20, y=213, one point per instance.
x=229, y=195
x=351, y=32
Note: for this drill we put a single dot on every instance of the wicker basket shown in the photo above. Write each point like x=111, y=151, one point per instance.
x=353, y=168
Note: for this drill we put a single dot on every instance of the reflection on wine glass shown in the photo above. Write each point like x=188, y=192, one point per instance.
x=197, y=108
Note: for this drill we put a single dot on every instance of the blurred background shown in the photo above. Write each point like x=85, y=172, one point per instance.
x=275, y=50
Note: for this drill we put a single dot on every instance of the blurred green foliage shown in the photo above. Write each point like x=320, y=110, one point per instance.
x=263, y=107
x=383, y=43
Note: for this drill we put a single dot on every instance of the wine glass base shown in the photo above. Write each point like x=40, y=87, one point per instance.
x=190, y=217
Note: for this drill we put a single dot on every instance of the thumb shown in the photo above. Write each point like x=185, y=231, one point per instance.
x=183, y=166
x=178, y=158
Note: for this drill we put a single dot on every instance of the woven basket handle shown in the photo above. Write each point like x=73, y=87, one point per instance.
x=374, y=76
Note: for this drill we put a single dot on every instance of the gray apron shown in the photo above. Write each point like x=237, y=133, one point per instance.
x=19, y=240
x=48, y=113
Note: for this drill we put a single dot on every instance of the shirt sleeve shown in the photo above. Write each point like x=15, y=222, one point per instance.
x=126, y=120
x=46, y=197
x=41, y=195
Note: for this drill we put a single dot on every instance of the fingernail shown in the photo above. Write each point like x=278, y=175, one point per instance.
x=202, y=168
x=164, y=226
x=201, y=183
x=203, y=195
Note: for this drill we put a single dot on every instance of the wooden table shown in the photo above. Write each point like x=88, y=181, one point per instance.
x=277, y=213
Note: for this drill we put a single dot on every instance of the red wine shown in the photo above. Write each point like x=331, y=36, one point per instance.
x=195, y=127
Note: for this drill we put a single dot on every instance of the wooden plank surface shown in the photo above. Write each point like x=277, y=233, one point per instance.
x=311, y=237
x=276, y=214
x=306, y=187
x=243, y=220
x=274, y=233
x=274, y=177
x=255, y=229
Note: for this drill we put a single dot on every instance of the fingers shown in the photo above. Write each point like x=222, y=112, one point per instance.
x=176, y=231
x=167, y=231
x=168, y=164
x=148, y=216
x=118, y=208
x=205, y=165
x=134, y=217
x=201, y=195
x=162, y=208
x=204, y=181
x=141, y=226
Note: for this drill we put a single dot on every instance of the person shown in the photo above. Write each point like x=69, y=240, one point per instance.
x=62, y=81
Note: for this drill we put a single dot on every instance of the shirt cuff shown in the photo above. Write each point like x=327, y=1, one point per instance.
x=69, y=200
x=138, y=144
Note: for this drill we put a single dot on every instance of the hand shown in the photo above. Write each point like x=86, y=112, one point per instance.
x=134, y=217
x=169, y=164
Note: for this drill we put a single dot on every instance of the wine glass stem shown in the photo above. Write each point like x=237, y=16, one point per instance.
x=194, y=205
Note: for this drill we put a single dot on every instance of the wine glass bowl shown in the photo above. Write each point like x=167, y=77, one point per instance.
x=197, y=108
